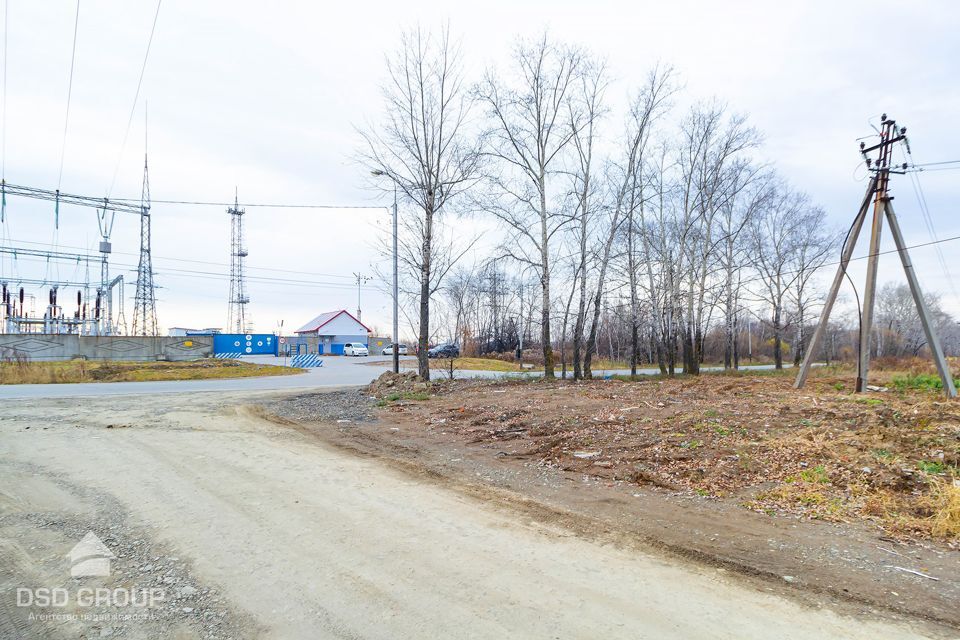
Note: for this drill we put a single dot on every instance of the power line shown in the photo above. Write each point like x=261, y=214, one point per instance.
x=934, y=164
x=41, y=256
x=928, y=219
x=66, y=119
x=136, y=97
x=134, y=205
x=340, y=285
x=208, y=203
x=6, y=12
x=205, y=262
x=934, y=169
x=837, y=262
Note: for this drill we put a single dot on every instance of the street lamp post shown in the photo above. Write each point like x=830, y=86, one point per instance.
x=396, y=284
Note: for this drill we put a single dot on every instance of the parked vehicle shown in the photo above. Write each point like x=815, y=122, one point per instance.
x=444, y=351
x=355, y=349
x=401, y=349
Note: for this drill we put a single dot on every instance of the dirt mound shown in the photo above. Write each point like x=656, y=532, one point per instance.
x=392, y=383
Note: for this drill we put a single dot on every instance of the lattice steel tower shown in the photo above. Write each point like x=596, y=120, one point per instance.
x=236, y=317
x=145, y=301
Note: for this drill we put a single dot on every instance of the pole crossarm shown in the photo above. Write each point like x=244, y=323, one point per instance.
x=69, y=198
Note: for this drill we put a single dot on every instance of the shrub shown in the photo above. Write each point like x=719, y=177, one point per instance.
x=919, y=382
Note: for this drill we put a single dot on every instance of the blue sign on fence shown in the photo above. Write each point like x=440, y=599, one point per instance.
x=245, y=344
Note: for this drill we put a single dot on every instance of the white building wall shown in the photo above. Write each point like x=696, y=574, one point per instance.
x=343, y=325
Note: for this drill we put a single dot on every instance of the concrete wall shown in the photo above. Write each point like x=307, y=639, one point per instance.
x=376, y=344
x=323, y=344
x=68, y=347
x=308, y=344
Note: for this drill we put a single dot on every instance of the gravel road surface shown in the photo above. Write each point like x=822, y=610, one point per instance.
x=256, y=530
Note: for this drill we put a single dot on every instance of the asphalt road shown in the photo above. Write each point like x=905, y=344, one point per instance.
x=335, y=372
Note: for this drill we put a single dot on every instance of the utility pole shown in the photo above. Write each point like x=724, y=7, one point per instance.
x=145, y=301
x=361, y=279
x=878, y=192
x=236, y=317
x=396, y=289
x=520, y=329
x=396, y=276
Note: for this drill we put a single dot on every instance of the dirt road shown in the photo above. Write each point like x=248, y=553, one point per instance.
x=254, y=530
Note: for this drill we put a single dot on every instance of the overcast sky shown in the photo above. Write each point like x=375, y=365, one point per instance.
x=265, y=97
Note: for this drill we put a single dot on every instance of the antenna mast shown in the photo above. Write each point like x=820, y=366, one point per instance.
x=236, y=318
x=145, y=301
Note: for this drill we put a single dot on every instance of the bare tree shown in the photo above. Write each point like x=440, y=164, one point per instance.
x=734, y=219
x=776, y=235
x=424, y=146
x=650, y=102
x=586, y=190
x=658, y=252
x=897, y=331
x=531, y=126
x=711, y=157
x=813, y=249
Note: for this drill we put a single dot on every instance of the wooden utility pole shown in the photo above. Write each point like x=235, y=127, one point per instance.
x=878, y=191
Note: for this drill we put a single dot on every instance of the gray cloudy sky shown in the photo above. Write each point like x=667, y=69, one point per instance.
x=265, y=97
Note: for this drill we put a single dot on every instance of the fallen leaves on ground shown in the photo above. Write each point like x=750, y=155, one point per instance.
x=819, y=452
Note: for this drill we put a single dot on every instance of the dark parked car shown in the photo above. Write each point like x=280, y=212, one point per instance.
x=444, y=351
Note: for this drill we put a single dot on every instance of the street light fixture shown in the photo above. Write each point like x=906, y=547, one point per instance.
x=396, y=286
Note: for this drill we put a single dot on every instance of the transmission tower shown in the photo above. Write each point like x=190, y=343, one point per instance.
x=878, y=192
x=236, y=317
x=145, y=301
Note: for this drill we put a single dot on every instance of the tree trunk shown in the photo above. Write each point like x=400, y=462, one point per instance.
x=563, y=331
x=777, y=339
x=604, y=261
x=801, y=346
x=423, y=362
x=581, y=318
x=736, y=344
x=634, y=302
x=691, y=357
x=548, y=371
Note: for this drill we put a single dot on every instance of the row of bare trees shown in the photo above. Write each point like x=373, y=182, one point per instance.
x=664, y=207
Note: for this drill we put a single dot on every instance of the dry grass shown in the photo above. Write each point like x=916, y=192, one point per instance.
x=94, y=371
x=946, y=509
x=820, y=452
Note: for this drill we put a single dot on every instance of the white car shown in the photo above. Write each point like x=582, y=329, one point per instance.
x=355, y=349
x=401, y=349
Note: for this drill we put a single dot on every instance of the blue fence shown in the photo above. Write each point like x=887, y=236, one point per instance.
x=245, y=344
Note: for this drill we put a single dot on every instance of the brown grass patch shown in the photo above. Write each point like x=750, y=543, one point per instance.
x=819, y=452
x=96, y=371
